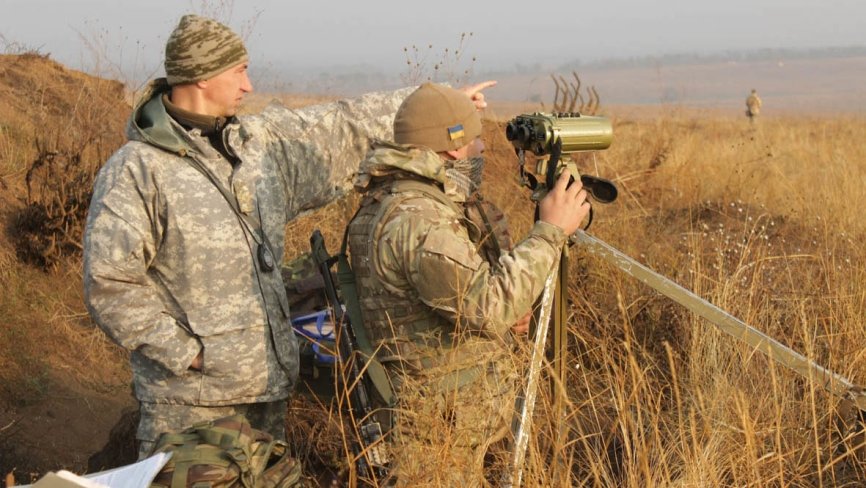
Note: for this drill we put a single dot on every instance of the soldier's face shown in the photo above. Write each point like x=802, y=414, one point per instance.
x=224, y=92
x=471, y=150
x=476, y=148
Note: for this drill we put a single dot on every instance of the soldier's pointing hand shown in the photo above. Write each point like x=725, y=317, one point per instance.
x=476, y=93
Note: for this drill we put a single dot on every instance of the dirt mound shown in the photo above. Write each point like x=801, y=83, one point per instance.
x=58, y=126
x=62, y=383
x=39, y=93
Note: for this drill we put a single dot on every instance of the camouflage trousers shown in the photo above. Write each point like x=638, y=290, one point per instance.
x=446, y=425
x=157, y=418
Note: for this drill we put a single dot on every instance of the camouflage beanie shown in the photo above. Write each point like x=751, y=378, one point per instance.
x=437, y=117
x=200, y=48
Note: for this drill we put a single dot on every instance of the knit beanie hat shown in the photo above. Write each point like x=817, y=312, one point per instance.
x=200, y=48
x=438, y=117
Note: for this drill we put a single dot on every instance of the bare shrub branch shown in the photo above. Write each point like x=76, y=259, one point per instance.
x=569, y=98
x=451, y=65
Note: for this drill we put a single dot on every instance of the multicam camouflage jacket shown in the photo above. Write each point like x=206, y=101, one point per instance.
x=171, y=270
x=422, y=278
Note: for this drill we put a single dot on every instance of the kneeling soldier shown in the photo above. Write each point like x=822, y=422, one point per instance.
x=440, y=291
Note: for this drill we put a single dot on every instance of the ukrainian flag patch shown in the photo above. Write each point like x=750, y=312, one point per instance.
x=456, y=132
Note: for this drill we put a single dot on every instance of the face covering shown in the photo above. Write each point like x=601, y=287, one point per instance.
x=466, y=173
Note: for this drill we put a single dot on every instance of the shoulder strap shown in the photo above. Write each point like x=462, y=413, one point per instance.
x=348, y=286
x=251, y=223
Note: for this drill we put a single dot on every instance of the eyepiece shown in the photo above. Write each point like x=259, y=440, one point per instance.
x=511, y=131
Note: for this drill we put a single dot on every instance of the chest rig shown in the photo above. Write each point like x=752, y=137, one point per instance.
x=397, y=320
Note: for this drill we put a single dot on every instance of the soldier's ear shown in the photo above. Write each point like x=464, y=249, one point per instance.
x=456, y=153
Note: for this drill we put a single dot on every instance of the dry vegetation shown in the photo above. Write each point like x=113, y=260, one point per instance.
x=764, y=223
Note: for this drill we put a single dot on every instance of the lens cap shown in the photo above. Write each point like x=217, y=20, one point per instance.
x=602, y=190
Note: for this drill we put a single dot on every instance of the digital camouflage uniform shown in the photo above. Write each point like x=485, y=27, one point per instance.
x=439, y=312
x=170, y=270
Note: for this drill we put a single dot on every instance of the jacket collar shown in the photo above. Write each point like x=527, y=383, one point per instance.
x=388, y=159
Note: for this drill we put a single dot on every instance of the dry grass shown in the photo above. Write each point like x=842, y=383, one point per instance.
x=58, y=127
x=47, y=337
x=762, y=223
x=765, y=223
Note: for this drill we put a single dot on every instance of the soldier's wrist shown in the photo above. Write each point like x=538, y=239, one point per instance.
x=549, y=232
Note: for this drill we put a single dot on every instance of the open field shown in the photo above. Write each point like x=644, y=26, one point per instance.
x=791, y=87
x=763, y=221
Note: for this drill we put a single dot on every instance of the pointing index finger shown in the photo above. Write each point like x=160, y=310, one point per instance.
x=472, y=90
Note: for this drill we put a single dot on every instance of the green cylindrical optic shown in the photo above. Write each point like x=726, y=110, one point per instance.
x=537, y=132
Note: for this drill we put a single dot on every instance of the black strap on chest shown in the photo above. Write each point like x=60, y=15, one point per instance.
x=264, y=250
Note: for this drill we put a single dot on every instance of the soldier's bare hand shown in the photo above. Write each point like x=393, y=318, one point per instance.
x=522, y=325
x=564, y=206
x=197, y=361
x=475, y=93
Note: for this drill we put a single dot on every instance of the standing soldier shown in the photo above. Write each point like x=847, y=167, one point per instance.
x=441, y=294
x=753, y=106
x=186, y=229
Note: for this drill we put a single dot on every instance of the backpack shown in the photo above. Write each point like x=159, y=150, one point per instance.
x=226, y=452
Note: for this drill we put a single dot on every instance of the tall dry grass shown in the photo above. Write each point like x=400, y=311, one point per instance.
x=763, y=223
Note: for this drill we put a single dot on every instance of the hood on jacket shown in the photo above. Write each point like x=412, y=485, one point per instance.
x=150, y=122
x=389, y=158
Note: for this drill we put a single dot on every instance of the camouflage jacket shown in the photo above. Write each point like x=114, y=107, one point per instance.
x=422, y=280
x=171, y=270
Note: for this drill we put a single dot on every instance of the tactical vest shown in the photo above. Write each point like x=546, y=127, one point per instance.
x=397, y=321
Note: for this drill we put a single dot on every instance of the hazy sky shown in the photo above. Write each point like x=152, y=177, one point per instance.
x=307, y=34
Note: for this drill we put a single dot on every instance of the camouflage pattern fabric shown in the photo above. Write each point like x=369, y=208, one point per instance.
x=158, y=418
x=304, y=285
x=170, y=271
x=489, y=228
x=226, y=452
x=440, y=313
x=452, y=427
x=200, y=48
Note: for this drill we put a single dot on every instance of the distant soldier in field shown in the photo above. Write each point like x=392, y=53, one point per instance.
x=186, y=229
x=753, y=106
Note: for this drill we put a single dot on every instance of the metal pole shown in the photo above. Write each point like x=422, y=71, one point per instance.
x=525, y=404
x=725, y=322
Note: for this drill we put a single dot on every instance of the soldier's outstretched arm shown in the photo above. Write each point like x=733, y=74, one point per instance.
x=317, y=148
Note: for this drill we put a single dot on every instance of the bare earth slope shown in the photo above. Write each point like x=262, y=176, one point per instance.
x=62, y=384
